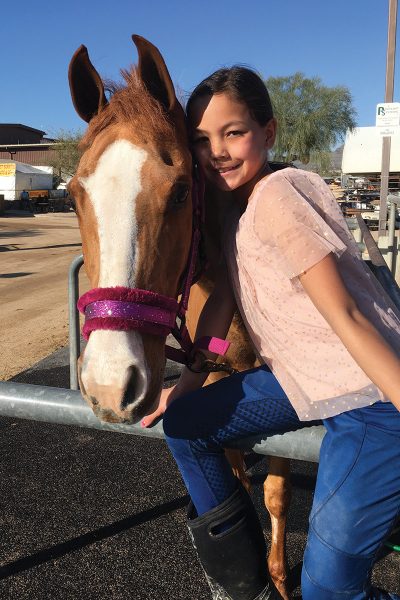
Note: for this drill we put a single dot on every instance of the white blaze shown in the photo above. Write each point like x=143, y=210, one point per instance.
x=112, y=189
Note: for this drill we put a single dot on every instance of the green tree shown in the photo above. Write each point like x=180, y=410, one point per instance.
x=312, y=118
x=66, y=153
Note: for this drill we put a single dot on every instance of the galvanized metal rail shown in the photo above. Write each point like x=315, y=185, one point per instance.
x=74, y=329
x=302, y=445
x=394, y=203
x=67, y=407
x=378, y=264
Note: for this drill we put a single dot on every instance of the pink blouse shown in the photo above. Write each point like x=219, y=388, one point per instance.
x=293, y=221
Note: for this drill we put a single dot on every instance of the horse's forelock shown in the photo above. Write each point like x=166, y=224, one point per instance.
x=130, y=103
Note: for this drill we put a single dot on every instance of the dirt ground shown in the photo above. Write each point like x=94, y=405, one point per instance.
x=36, y=252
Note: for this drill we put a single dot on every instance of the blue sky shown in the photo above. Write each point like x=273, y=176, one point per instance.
x=343, y=42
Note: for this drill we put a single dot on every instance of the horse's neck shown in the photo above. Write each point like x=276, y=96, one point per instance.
x=217, y=209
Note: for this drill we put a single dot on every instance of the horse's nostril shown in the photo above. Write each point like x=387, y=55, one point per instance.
x=135, y=387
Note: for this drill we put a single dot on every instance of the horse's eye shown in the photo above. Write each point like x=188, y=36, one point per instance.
x=180, y=194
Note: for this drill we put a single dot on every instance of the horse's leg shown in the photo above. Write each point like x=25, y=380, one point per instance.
x=277, y=496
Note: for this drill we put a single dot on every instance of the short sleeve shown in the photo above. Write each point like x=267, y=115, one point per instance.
x=286, y=220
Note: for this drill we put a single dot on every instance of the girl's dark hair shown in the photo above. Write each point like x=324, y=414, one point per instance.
x=243, y=85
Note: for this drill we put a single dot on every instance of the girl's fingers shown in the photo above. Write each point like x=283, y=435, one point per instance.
x=149, y=419
x=165, y=399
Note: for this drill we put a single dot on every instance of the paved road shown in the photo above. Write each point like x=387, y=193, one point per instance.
x=101, y=515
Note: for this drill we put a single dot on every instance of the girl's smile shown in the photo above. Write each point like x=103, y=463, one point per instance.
x=230, y=146
x=227, y=170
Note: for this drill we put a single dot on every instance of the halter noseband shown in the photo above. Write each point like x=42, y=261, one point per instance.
x=125, y=309
x=122, y=309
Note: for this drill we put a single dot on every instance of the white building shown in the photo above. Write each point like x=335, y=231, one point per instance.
x=362, y=152
x=16, y=177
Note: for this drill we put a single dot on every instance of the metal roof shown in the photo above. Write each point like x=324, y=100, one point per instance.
x=23, y=127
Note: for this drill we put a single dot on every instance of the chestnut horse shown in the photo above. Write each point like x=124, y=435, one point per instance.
x=133, y=194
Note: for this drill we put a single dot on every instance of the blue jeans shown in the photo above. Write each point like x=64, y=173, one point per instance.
x=357, y=497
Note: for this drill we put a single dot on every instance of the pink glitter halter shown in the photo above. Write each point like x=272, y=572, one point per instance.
x=125, y=309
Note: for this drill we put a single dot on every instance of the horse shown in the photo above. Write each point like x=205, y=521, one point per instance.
x=134, y=192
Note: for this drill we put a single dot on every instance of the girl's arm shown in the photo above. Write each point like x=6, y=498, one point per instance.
x=378, y=360
x=215, y=320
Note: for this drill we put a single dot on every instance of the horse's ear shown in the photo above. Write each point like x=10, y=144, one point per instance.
x=87, y=90
x=154, y=73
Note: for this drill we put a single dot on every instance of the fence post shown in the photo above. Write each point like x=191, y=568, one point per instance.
x=394, y=203
x=74, y=328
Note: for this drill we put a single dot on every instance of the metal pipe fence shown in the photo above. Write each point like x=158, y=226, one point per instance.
x=74, y=328
x=57, y=405
x=394, y=202
x=67, y=407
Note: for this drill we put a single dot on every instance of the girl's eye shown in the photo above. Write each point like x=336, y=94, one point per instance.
x=234, y=133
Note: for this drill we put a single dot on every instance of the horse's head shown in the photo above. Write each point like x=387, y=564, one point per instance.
x=133, y=196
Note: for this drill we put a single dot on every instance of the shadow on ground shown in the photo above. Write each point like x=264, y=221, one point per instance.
x=8, y=233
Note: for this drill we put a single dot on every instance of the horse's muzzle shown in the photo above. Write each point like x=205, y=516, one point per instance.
x=115, y=403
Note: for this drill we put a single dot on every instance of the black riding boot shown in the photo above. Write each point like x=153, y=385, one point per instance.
x=232, y=551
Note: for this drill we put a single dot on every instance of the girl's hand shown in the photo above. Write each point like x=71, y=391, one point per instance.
x=166, y=398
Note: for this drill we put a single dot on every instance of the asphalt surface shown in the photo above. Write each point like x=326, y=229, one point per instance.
x=101, y=515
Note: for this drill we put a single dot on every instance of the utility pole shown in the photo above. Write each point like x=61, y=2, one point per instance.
x=390, y=65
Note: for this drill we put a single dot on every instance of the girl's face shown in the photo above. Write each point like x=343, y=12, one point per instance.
x=230, y=146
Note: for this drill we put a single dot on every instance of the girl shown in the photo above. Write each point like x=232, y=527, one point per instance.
x=330, y=339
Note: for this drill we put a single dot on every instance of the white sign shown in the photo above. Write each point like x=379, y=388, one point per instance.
x=388, y=114
x=388, y=131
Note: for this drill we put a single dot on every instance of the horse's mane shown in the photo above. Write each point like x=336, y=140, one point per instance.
x=130, y=103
